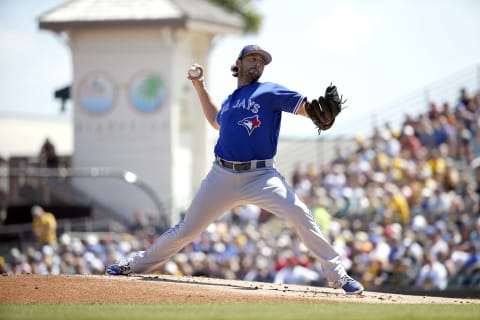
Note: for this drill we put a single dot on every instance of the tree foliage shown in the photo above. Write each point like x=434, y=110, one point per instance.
x=252, y=18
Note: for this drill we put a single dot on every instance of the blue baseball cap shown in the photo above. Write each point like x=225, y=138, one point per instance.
x=253, y=48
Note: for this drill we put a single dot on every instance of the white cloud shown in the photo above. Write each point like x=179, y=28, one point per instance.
x=342, y=31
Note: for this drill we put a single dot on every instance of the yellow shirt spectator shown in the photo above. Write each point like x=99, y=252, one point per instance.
x=399, y=205
x=322, y=217
x=44, y=226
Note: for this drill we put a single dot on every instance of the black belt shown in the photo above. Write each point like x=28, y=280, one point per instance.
x=242, y=166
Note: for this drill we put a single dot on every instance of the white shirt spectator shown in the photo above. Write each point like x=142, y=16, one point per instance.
x=296, y=275
x=433, y=275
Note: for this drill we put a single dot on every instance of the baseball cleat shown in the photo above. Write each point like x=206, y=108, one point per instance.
x=121, y=268
x=348, y=284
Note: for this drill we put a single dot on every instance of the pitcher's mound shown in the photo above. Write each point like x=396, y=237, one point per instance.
x=171, y=289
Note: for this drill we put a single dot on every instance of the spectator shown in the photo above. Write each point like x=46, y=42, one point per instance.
x=425, y=132
x=434, y=111
x=138, y=227
x=321, y=215
x=3, y=266
x=297, y=175
x=20, y=263
x=294, y=273
x=465, y=143
x=433, y=274
x=440, y=133
x=409, y=143
x=44, y=226
x=48, y=156
x=471, y=267
x=464, y=97
x=397, y=207
x=401, y=274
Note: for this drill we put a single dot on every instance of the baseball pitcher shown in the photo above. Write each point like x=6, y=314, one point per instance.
x=243, y=172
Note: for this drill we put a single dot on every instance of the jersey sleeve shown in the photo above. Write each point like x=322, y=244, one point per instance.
x=224, y=105
x=287, y=100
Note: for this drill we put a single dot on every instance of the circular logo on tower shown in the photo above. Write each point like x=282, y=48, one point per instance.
x=97, y=93
x=147, y=92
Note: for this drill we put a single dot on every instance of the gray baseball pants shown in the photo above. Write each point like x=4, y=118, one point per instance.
x=222, y=190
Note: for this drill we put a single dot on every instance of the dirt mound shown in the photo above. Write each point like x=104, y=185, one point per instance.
x=169, y=289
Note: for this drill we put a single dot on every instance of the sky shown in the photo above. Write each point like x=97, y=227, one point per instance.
x=375, y=51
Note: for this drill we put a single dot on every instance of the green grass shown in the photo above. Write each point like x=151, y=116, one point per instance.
x=269, y=311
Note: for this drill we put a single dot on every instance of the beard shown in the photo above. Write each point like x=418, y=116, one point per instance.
x=253, y=74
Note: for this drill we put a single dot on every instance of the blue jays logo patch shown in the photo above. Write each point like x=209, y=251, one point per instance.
x=250, y=123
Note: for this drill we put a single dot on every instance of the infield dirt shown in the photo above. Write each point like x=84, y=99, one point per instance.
x=28, y=289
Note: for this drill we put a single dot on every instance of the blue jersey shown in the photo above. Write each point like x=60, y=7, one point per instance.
x=250, y=120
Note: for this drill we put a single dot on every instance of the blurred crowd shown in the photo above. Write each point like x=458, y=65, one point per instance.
x=402, y=207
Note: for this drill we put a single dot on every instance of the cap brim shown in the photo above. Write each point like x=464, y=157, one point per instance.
x=266, y=56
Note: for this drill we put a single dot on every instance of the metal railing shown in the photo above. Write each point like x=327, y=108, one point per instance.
x=52, y=186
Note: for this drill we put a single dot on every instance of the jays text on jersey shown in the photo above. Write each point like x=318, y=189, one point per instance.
x=250, y=120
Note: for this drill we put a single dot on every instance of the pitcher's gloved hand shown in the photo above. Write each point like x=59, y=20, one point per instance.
x=324, y=110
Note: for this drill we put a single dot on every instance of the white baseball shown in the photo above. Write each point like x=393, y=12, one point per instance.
x=194, y=72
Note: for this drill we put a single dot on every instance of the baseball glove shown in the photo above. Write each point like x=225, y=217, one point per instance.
x=324, y=110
